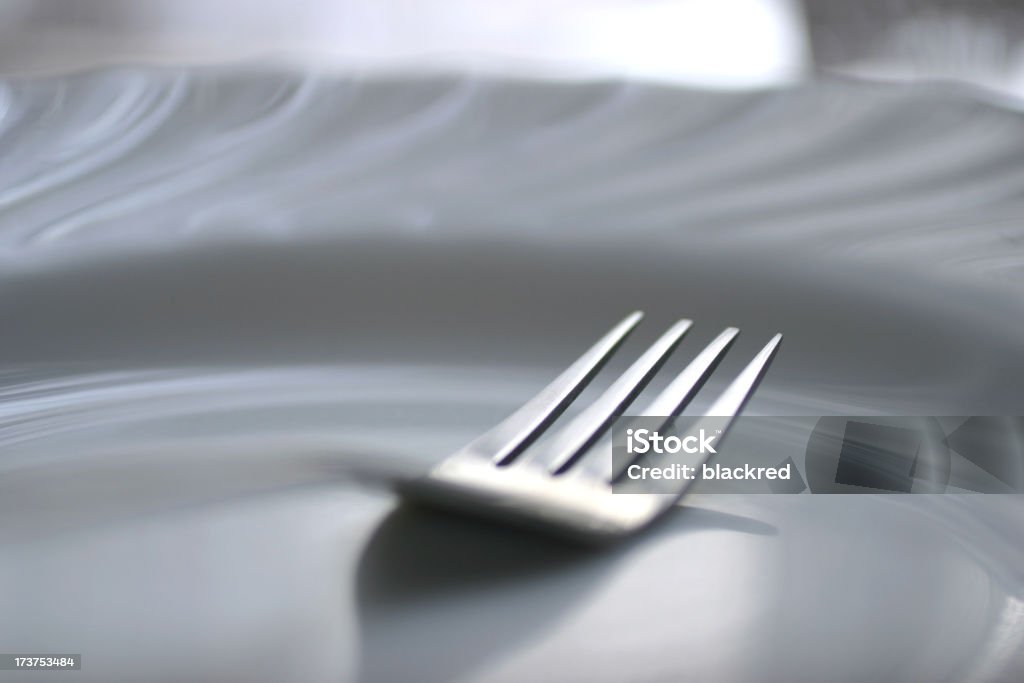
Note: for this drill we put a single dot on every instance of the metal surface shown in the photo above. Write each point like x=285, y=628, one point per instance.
x=552, y=490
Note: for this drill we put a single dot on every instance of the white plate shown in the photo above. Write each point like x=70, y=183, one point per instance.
x=218, y=288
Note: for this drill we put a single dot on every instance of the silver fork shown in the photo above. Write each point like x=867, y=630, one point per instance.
x=564, y=484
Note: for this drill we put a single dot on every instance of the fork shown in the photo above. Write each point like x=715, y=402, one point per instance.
x=564, y=485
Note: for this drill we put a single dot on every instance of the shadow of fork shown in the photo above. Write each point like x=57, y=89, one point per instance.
x=440, y=595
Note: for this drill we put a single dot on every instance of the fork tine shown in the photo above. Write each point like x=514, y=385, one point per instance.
x=508, y=439
x=677, y=395
x=732, y=400
x=583, y=430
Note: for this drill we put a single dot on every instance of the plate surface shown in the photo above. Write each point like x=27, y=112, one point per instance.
x=221, y=289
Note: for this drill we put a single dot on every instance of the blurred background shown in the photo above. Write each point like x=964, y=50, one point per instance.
x=738, y=43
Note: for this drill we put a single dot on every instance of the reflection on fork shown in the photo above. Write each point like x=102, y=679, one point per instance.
x=564, y=484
